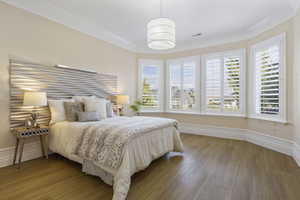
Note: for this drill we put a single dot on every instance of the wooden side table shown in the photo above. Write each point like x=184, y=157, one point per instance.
x=24, y=133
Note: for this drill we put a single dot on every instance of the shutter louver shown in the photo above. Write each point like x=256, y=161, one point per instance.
x=151, y=83
x=267, y=80
x=175, y=87
x=232, y=70
x=188, y=86
x=223, y=83
x=182, y=86
x=213, y=84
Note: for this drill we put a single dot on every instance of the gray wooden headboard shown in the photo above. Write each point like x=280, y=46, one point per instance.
x=59, y=82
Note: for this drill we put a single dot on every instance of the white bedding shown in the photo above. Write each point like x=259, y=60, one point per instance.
x=138, y=154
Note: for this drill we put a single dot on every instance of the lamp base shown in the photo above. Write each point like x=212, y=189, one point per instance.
x=31, y=122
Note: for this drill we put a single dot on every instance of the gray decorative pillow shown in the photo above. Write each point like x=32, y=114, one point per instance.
x=71, y=109
x=88, y=116
x=109, y=110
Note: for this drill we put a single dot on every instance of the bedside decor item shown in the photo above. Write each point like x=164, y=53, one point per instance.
x=122, y=100
x=136, y=106
x=34, y=99
x=24, y=133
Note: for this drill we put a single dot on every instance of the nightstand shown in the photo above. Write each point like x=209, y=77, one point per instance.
x=24, y=133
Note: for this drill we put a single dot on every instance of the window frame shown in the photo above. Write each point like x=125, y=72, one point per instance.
x=181, y=61
x=160, y=64
x=221, y=55
x=279, y=40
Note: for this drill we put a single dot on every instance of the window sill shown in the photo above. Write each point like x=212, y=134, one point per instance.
x=282, y=121
x=151, y=111
x=218, y=115
x=196, y=113
x=207, y=114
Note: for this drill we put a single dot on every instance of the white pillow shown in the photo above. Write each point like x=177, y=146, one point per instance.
x=57, y=110
x=83, y=98
x=96, y=105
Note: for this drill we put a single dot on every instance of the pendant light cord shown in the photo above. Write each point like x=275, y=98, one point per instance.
x=161, y=8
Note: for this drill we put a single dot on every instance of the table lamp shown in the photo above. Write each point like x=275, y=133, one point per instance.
x=34, y=99
x=121, y=101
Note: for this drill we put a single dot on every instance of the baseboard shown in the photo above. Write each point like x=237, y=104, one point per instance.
x=31, y=151
x=296, y=153
x=213, y=131
x=270, y=142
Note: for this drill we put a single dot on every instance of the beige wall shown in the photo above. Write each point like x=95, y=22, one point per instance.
x=272, y=128
x=296, y=77
x=40, y=40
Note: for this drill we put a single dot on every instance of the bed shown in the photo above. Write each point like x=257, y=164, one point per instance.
x=158, y=137
x=129, y=144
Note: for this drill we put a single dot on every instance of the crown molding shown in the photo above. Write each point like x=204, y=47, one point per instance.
x=81, y=24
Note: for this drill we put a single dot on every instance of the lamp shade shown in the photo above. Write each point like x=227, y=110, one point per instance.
x=35, y=99
x=161, y=34
x=122, y=99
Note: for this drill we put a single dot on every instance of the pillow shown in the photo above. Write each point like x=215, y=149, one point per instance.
x=57, y=110
x=71, y=109
x=88, y=116
x=109, y=109
x=96, y=105
x=83, y=98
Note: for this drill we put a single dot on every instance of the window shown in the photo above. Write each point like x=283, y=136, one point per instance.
x=218, y=86
x=223, y=83
x=268, y=79
x=183, y=84
x=151, y=85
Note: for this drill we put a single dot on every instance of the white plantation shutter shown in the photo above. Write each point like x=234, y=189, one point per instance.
x=267, y=81
x=175, y=86
x=223, y=82
x=269, y=87
x=183, y=84
x=232, y=83
x=150, y=86
x=213, y=84
x=188, y=85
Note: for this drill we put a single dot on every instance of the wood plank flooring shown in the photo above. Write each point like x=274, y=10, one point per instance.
x=210, y=169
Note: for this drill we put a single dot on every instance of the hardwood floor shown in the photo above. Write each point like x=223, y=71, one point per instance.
x=210, y=169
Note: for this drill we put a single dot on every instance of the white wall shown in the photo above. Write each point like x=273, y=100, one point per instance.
x=296, y=77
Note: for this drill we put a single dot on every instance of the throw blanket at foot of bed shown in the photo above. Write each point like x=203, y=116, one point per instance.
x=104, y=146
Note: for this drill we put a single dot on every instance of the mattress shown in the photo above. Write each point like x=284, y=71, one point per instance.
x=141, y=151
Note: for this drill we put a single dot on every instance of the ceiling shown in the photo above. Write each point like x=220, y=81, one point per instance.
x=123, y=22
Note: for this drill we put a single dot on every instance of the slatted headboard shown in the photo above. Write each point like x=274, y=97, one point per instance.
x=59, y=82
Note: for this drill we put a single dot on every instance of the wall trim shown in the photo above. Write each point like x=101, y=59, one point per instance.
x=296, y=153
x=284, y=146
x=31, y=151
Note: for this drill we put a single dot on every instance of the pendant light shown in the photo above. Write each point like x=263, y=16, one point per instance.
x=161, y=33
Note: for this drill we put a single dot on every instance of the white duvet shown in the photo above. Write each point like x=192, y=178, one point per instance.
x=138, y=154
